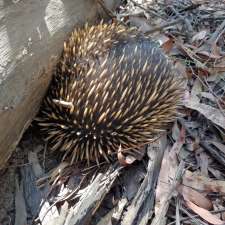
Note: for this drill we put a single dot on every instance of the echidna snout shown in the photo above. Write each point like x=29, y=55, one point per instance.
x=112, y=87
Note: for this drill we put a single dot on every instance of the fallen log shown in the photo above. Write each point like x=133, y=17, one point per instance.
x=32, y=35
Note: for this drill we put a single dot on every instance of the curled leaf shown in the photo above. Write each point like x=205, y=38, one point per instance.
x=204, y=214
x=194, y=196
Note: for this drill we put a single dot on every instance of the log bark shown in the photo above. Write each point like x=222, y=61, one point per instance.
x=31, y=38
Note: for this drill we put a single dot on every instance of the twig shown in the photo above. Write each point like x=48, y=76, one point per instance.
x=217, y=98
x=196, y=216
x=147, y=10
x=189, y=30
x=107, y=11
x=141, y=207
x=190, y=7
x=192, y=217
x=62, y=199
x=160, y=216
x=44, y=155
x=214, y=153
x=164, y=25
x=216, y=35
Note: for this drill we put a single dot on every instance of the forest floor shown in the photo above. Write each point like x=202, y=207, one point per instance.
x=180, y=179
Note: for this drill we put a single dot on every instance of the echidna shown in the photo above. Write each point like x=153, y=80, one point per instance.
x=113, y=87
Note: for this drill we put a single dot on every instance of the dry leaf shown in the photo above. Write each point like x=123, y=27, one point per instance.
x=194, y=196
x=208, y=95
x=204, y=163
x=130, y=159
x=196, y=90
x=175, y=131
x=208, y=54
x=211, y=113
x=121, y=157
x=199, y=36
x=165, y=42
x=203, y=72
x=124, y=160
x=179, y=143
x=219, y=67
x=205, y=214
x=181, y=69
x=203, y=183
x=189, y=50
x=140, y=22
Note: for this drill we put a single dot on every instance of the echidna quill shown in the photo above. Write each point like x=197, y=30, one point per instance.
x=112, y=88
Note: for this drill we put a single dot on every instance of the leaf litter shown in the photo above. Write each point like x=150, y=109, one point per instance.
x=177, y=179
